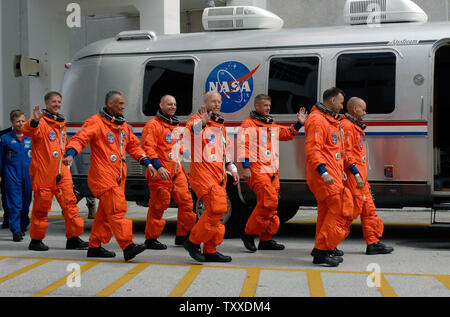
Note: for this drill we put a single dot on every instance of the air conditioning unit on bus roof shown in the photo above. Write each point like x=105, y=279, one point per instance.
x=382, y=11
x=239, y=18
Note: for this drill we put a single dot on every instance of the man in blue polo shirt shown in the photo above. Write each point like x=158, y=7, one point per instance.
x=15, y=158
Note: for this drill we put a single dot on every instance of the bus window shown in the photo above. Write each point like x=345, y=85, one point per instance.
x=293, y=83
x=370, y=76
x=174, y=77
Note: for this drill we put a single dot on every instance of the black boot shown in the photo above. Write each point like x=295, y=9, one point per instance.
x=249, y=242
x=132, y=250
x=324, y=257
x=154, y=244
x=75, y=243
x=270, y=245
x=17, y=236
x=37, y=245
x=100, y=253
x=180, y=240
x=378, y=248
x=216, y=257
x=194, y=251
x=338, y=258
x=336, y=252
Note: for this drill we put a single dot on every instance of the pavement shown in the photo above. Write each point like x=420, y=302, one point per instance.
x=417, y=268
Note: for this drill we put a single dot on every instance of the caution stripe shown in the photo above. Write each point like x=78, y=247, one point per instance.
x=52, y=287
x=24, y=269
x=444, y=279
x=122, y=280
x=385, y=288
x=315, y=283
x=251, y=282
x=186, y=281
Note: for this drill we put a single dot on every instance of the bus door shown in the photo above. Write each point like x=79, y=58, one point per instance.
x=441, y=119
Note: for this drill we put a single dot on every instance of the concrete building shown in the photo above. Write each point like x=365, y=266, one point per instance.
x=51, y=31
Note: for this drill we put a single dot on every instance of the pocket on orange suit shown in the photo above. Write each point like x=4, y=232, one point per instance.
x=119, y=201
x=43, y=199
x=162, y=199
x=270, y=200
x=347, y=203
x=218, y=199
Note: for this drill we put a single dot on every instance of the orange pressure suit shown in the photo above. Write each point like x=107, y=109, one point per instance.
x=356, y=162
x=49, y=176
x=208, y=178
x=260, y=136
x=162, y=141
x=324, y=147
x=109, y=140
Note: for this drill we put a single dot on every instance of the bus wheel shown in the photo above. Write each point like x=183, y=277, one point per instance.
x=286, y=213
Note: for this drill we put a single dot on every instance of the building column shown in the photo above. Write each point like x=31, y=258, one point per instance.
x=160, y=16
x=48, y=41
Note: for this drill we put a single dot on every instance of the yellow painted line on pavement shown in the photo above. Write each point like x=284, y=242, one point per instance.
x=315, y=283
x=224, y=266
x=385, y=288
x=186, y=281
x=122, y=280
x=52, y=287
x=251, y=282
x=444, y=279
x=23, y=270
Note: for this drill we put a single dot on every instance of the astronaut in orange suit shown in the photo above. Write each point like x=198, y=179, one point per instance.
x=49, y=177
x=162, y=141
x=260, y=136
x=210, y=162
x=324, y=175
x=355, y=162
x=110, y=137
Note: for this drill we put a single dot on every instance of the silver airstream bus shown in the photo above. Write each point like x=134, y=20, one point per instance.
x=399, y=65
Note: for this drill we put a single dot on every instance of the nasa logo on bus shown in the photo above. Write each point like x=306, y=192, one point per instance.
x=234, y=81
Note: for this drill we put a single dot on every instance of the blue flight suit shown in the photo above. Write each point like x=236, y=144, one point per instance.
x=15, y=158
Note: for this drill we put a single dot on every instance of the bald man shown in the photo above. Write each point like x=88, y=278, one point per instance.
x=210, y=162
x=355, y=161
x=162, y=141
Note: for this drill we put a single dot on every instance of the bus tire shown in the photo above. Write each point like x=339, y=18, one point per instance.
x=287, y=212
